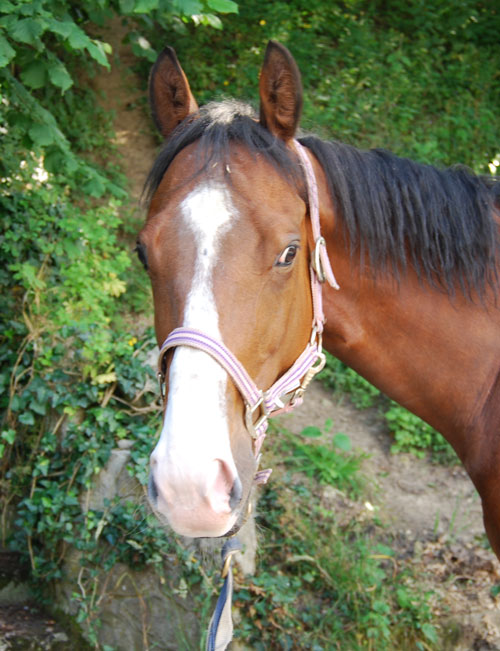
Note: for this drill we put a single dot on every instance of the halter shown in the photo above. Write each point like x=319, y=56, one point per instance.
x=287, y=392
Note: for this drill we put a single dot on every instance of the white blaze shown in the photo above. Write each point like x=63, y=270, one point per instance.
x=195, y=429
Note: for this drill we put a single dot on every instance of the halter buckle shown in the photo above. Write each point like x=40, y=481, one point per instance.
x=316, y=263
x=253, y=427
x=317, y=338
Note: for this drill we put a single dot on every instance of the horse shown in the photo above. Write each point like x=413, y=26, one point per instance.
x=263, y=247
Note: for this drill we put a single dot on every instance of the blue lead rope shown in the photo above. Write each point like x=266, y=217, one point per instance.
x=220, y=631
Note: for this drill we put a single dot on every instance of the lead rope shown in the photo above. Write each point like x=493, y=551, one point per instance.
x=220, y=630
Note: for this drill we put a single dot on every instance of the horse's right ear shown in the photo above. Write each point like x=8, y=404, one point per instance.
x=170, y=97
x=280, y=92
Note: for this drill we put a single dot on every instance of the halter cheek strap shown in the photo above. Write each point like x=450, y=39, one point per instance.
x=320, y=263
x=287, y=392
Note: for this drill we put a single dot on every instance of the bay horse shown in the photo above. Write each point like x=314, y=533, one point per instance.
x=244, y=222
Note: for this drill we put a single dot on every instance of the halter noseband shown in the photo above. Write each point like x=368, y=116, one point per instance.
x=261, y=405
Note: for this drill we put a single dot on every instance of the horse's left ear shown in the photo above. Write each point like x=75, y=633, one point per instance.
x=170, y=96
x=280, y=92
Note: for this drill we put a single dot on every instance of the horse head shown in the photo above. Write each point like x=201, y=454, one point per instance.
x=227, y=247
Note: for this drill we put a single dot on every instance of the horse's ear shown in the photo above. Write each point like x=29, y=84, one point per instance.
x=170, y=97
x=280, y=92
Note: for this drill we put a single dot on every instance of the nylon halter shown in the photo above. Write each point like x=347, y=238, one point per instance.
x=287, y=392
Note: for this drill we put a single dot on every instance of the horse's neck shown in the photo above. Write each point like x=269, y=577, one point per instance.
x=435, y=355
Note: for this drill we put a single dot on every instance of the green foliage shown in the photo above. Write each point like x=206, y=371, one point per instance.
x=420, y=79
x=333, y=464
x=63, y=266
x=72, y=378
x=327, y=579
x=411, y=434
x=42, y=43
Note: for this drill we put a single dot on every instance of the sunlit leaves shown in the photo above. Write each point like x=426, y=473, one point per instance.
x=188, y=7
x=77, y=38
x=27, y=30
x=223, y=6
x=145, y=6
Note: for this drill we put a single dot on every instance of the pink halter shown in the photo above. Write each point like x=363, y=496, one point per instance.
x=261, y=405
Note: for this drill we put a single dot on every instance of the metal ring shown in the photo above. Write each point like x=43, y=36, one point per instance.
x=316, y=261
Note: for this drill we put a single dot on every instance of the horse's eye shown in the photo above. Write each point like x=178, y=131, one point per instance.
x=288, y=255
x=141, y=254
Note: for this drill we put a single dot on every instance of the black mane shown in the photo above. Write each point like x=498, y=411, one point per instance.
x=397, y=211
x=400, y=212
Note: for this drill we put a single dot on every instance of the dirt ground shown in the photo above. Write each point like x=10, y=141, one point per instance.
x=122, y=92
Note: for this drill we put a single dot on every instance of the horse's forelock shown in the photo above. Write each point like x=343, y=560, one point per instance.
x=215, y=128
x=226, y=112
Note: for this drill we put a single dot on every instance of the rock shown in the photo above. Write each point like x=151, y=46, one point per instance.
x=14, y=587
x=135, y=609
x=112, y=481
x=147, y=608
x=15, y=593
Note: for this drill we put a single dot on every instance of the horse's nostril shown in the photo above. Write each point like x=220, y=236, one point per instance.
x=236, y=493
x=152, y=491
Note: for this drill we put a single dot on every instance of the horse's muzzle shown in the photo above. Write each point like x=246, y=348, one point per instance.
x=205, y=506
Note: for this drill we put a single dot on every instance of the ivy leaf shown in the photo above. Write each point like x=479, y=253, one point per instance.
x=9, y=435
x=38, y=407
x=71, y=163
x=27, y=30
x=430, y=633
x=8, y=22
x=95, y=187
x=35, y=74
x=141, y=47
x=42, y=467
x=26, y=418
x=223, y=6
x=54, y=160
x=6, y=52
